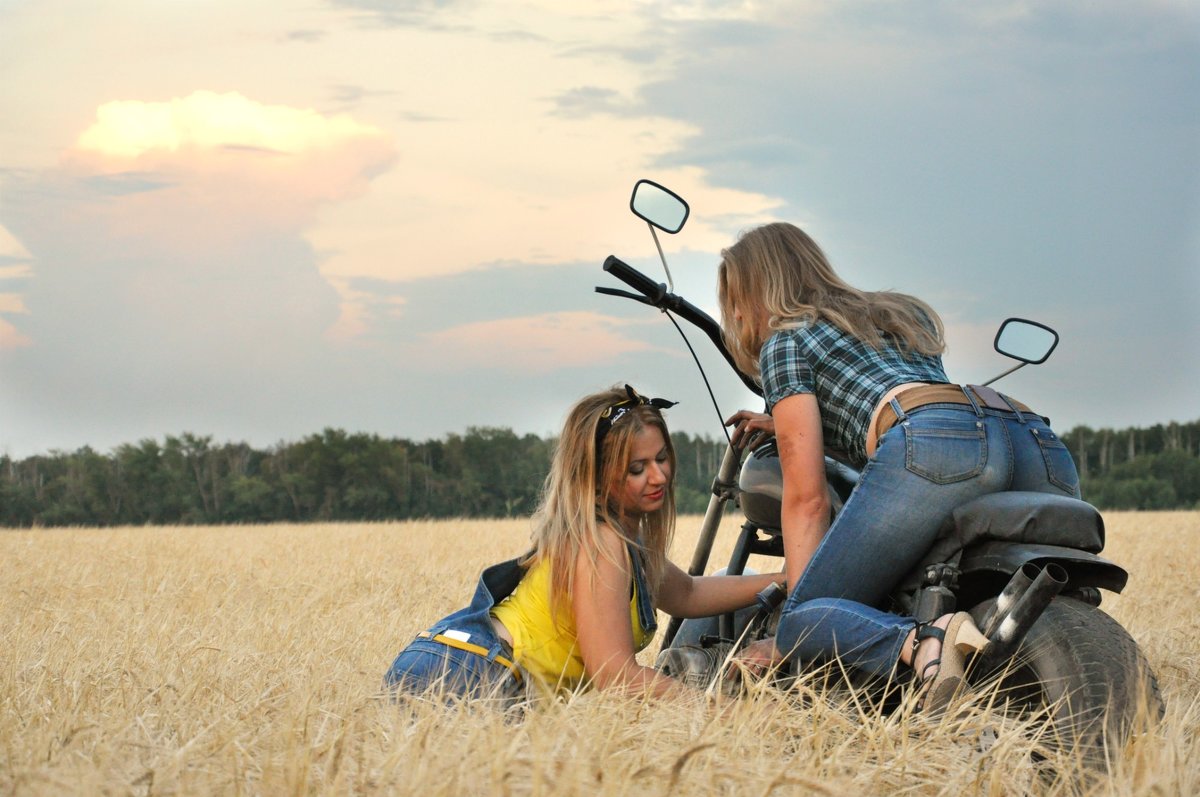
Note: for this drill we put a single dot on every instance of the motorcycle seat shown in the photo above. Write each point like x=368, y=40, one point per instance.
x=1016, y=518
x=1043, y=518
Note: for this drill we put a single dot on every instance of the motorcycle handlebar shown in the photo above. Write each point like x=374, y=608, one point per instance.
x=658, y=295
x=634, y=278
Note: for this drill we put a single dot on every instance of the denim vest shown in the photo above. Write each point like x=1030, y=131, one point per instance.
x=497, y=583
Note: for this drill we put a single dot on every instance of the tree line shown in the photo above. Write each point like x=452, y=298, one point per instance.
x=1152, y=468
x=334, y=475
x=486, y=472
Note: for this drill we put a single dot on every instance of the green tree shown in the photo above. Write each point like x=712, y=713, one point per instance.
x=1182, y=471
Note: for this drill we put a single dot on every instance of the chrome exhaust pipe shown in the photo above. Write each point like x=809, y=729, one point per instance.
x=1008, y=629
x=1013, y=590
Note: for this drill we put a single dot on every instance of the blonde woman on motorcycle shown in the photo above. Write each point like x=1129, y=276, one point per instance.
x=861, y=373
x=574, y=611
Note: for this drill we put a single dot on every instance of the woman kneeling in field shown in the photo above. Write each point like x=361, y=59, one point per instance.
x=573, y=612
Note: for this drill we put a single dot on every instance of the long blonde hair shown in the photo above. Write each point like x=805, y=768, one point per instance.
x=778, y=278
x=578, y=494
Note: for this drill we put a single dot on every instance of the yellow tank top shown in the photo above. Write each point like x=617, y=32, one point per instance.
x=550, y=652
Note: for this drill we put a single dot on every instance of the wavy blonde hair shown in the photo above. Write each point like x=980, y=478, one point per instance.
x=580, y=493
x=778, y=278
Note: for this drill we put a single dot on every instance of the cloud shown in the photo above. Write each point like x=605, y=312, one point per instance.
x=403, y=13
x=587, y=101
x=185, y=257
x=238, y=157
x=1028, y=159
x=10, y=336
x=516, y=148
x=711, y=10
x=345, y=96
x=168, y=253
x=305, y=36
x=10, y=248
x=208, y=120
x=125, y=183
x=210, y=168
x=14, y=266
x=376, y=310
x=535, y=344
x=11, y=303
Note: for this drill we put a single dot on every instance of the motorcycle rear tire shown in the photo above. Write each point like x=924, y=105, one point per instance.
x=1085, y=671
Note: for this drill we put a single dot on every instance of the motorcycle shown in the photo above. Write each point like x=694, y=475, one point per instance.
x=1025, y=565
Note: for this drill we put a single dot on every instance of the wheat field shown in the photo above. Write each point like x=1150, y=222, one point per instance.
x=247, y=660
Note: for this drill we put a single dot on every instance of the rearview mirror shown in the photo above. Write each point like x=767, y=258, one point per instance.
x=660, y=206
x=1027, y=341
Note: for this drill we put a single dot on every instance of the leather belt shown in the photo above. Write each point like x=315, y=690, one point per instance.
x=945, y=394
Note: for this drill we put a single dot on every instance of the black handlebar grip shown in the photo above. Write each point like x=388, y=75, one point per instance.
x=633, y=278
x=657, y=295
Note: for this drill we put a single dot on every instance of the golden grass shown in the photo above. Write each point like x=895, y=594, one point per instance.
x=247, y=660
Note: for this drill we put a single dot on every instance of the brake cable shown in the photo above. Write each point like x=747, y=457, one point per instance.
x=651, y=303
x=703, y=375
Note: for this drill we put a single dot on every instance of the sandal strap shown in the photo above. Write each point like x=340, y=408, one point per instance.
x=927, y=631
x=925, y=684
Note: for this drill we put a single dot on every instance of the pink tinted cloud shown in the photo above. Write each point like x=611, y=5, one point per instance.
x=172, y=207
x=222, y=165
x=213, y=179
x=11, y=337
x=534, y=344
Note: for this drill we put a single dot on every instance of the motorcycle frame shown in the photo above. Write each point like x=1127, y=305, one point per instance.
x=982, y=569
x=996, y=559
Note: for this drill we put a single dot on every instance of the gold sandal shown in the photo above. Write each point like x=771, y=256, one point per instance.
x=960, y=638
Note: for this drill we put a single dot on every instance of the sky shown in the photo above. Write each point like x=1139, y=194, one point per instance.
x=258, y=220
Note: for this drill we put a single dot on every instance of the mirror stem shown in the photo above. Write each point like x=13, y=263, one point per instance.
x=663, y=258
x=1006, y=373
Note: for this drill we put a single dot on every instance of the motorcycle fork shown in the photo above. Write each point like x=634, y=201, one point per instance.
x=751, y=540
x=724, y=490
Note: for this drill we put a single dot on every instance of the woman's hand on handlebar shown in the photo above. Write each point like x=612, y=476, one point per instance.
x=759, y=657
x=750, y=429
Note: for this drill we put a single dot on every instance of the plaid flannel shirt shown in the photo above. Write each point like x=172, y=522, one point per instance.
x=847, y=376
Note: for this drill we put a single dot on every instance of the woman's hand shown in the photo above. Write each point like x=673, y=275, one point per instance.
x=750, y=429
x=682, y=595
x=759, y=657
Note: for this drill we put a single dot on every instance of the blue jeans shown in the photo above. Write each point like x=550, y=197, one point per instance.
x=934, y=459
x=425, y=663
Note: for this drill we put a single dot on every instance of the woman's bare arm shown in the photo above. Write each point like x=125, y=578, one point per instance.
x=682, y=595
x=603, y=625
x=805, y=509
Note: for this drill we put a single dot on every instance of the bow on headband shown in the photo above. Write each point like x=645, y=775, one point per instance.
x=620, y=409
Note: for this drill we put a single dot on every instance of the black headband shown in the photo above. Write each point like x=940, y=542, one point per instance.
x=617, y=411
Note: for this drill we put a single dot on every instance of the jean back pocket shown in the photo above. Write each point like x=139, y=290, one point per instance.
x=952, y=451
x=1060, y=467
